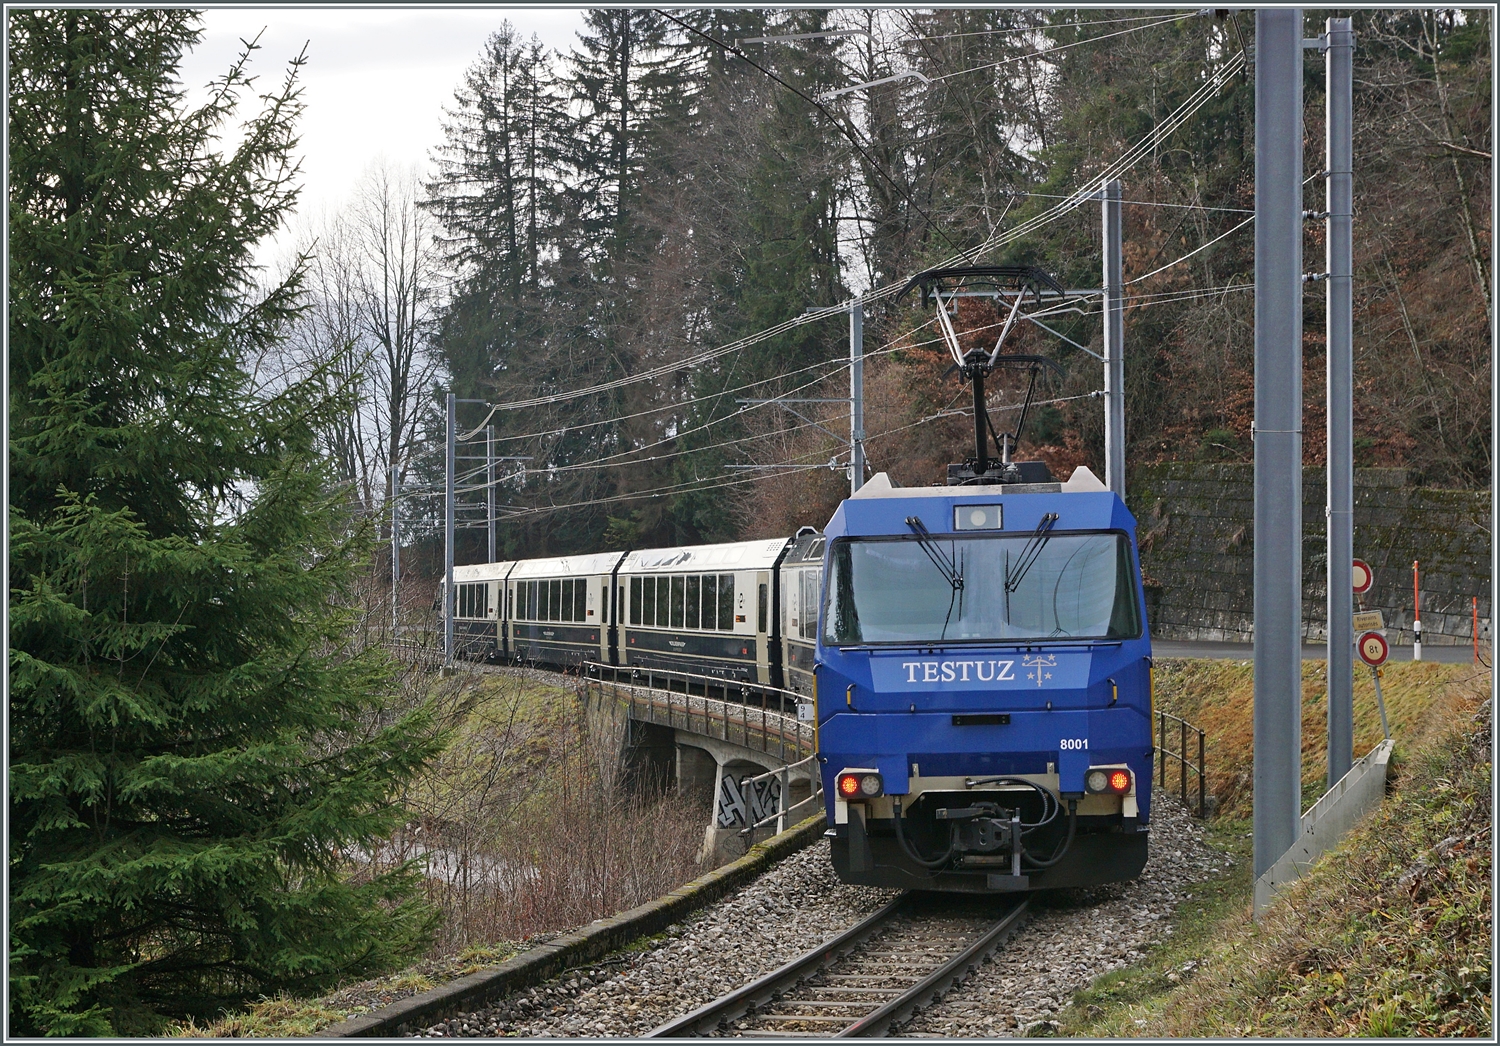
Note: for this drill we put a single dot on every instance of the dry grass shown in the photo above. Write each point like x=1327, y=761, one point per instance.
x=1218, y=696
x=1388, y=936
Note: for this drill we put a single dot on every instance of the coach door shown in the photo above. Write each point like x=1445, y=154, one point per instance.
x=763, y=611
x=603, y=620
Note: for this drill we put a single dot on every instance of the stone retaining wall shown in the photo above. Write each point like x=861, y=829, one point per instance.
x=1197, y=550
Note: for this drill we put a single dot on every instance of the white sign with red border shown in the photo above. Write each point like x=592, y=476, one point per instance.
x=1363, y=577
x=1373, y=649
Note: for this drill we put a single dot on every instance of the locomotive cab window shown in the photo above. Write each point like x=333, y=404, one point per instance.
x=1001, y=588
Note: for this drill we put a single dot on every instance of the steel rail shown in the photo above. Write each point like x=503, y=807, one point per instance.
x=746, y=1001
x=900, y=1009
x=743, y=1000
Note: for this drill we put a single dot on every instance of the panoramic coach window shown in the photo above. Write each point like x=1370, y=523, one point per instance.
x=1001, y=588
x=726, y=602
x=471, y=600
x=696, y=601
x=557, y=600
x=710, y=601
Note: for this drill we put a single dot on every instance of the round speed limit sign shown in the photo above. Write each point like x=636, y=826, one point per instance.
x=1373, y=649
x=1363, y=577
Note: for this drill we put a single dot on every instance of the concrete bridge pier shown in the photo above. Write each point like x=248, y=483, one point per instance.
x=713, y=770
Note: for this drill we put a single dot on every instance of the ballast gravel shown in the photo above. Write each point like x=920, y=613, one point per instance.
x=1070, y=938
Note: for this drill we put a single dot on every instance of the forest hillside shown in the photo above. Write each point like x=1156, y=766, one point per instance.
x=626, y=240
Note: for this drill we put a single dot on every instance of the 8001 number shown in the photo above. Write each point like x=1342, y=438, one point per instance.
x=1075, y=744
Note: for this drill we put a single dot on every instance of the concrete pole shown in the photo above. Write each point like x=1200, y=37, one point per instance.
x=448, y=606
x=857, y=395
x=489, y=487
x=395, y=549
x=1278, y=432
x=1114, y=344
x=1340, y=321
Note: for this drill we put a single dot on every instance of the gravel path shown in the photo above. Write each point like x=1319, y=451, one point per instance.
x=1070, y=939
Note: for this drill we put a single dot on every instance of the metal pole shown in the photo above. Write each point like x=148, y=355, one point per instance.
x=1385, y=725
x=1161, y=748
x=1202, y=776
x=1182, y=747
x=448, y=534
x=857, y=395
x=1114, y=344
x=1340, y=320
x=395, y=548
x=1416, y=613
x=1278, y=433
x=489, y=486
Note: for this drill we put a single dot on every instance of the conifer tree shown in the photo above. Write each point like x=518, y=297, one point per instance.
x=196, y=753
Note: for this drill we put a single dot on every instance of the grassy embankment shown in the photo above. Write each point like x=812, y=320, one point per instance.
x=525, y=828
x=1388, y=935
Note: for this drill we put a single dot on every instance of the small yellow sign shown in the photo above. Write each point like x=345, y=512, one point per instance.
x=1369, y=621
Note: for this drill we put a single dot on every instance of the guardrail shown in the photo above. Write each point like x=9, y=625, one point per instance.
x=650, y=696
x=761, y=695
x=784, y=812
x=1181, y=755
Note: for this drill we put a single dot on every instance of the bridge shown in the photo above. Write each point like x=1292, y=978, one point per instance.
x=745, y=745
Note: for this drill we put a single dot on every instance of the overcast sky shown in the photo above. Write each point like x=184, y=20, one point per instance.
x=376, y=80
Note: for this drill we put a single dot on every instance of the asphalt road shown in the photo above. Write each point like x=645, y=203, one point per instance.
x=1312, y=652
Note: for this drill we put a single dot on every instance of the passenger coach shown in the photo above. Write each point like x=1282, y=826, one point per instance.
x=702, y=608
x=559, y=610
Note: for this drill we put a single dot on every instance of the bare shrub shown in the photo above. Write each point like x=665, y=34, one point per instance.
x=525, y=825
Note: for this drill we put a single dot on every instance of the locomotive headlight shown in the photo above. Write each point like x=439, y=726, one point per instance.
x=977, y=517
x=859, y=784
x=1096, y=781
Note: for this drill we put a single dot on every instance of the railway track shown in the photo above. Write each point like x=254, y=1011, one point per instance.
x=867, y=980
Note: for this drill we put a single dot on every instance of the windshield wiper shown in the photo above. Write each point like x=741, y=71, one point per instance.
x=945, y=563
x=1039, y=538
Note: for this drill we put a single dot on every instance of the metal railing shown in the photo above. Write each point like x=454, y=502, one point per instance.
x=783, y=774
x=761, y=695
x=651, y=695
x=1181, y=755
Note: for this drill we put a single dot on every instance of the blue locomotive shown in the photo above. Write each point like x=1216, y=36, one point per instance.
x=983, y=681
x=984, y=687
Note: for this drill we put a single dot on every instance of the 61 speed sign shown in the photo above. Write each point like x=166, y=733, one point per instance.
x=1373, y=649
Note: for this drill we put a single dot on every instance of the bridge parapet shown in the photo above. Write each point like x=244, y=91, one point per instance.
x=730, y=736
x=769, y=725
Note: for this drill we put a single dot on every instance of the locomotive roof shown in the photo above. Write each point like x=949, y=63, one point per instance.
x=1082, y=481
x=880, y=508
x=482, y=572
x=738, y=555
x=566, y=566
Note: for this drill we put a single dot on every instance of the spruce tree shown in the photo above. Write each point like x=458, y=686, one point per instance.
x=197, y=755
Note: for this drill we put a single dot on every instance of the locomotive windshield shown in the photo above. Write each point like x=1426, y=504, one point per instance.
x=1006, y=588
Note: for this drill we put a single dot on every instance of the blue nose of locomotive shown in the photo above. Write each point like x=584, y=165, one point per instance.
x=938, y=713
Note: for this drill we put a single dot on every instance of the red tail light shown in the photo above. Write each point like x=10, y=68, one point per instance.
x=859, y=784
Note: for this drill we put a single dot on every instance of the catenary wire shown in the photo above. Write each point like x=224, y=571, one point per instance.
x=1061, y=47
x=1090, y=190
x=1025, y=29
